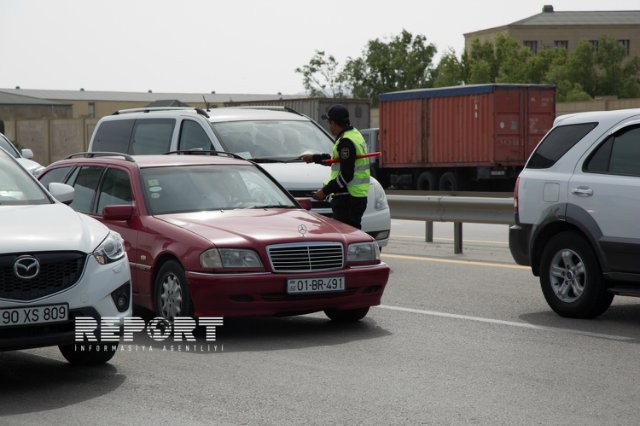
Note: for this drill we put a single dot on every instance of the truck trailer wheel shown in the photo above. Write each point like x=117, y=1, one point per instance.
x=427, y=182
x=448, y=182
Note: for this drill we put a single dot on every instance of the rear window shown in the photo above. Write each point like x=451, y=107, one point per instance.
x=113, y=136
x=557, y=143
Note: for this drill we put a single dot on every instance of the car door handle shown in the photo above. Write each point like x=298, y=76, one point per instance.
x=582, y=191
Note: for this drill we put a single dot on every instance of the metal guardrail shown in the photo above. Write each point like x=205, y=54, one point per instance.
x=451, y=208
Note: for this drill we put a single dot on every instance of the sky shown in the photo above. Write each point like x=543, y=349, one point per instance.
x=235, y=46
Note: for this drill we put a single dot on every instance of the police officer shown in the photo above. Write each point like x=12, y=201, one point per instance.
x=349, y=183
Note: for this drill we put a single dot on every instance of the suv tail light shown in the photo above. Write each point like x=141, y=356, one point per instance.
x=515, y=198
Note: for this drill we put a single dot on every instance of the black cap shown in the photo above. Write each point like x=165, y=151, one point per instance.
x=337, y=113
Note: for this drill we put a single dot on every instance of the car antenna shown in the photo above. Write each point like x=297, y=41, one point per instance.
x=206, y=104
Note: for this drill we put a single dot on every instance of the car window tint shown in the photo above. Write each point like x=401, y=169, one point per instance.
x=599, y=161
x=625, y=153
x=152, y=136
x=55, y=175
x=115, y=189
x=270, y=138
x=193, y=136
x=179, y=189
x=85, y=187
x=8, y=146
x=112, y=136
x=17, y=187
x=557, y=143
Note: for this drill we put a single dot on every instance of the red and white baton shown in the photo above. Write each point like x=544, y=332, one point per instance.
x=337, y=160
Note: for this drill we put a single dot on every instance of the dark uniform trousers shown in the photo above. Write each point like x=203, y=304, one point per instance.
x=349, y=209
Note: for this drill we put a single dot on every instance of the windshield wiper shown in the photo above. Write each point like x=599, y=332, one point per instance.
x=275, y=159
x=272, y=206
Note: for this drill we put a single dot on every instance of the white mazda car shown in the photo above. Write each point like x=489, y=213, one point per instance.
x=55, y=265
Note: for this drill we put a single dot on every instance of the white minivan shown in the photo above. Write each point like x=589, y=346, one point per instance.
x=274, y=137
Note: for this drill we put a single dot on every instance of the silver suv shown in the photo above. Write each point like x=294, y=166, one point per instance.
x=274, y=137
x=576, y=206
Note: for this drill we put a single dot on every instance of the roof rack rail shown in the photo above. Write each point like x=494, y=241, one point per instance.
x=150, y=109
x=101, y=154
x=270, y=108
x=205, y=152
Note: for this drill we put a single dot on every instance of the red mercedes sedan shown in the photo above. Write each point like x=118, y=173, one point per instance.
x=214, y=235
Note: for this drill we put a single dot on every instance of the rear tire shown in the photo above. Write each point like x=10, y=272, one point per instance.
x=350, y=315
x=571, y=278
x=448, y=182
x=94, y=353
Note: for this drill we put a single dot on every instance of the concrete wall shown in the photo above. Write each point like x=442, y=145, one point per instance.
x=596, y=105
x=51, y=140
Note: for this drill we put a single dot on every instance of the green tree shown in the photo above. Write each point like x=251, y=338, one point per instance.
x=402, y=63
x=322, y=76
x=450, y=70
x=614, y=76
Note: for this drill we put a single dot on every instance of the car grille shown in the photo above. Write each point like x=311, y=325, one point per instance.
x=58, y=271
x=314, y=203
x=305, y=257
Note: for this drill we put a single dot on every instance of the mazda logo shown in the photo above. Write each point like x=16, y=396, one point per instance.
x=302, y=229
x=26, y=267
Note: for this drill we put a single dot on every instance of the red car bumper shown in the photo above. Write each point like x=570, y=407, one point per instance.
x=235, y=295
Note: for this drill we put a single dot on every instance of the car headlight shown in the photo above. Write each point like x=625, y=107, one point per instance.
x=363, y=252
x=230, y=258
x=379, y=196
x=110, y=249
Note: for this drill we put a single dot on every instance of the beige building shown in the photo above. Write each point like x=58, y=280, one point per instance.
x=96, y=104
x=564, y=29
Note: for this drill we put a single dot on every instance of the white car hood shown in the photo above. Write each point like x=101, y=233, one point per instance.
x=298, y=176
x=48, y=227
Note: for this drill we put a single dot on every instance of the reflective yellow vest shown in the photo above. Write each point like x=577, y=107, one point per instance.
x=359, y=185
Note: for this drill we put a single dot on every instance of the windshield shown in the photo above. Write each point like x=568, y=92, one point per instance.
x=284, y=140
x=16, y=186
x=4, y=143
x=180, y=189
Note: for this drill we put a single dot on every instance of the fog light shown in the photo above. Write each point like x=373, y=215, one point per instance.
x=122, y=297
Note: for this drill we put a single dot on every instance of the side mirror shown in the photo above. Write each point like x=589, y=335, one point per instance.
x=305, y=203
x=26, y=153
x=117, y=212
x=62, y=192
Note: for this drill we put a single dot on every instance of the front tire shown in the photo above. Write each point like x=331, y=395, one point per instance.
x=427, y=181
x=344, y=316
x=172, y=296
x=93, y=353
x=571, y=278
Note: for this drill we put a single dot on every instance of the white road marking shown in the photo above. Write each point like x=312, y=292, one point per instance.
x=454, y=261
x=413, y=237
x=502, y=322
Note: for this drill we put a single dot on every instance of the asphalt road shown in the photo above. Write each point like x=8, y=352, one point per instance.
x=459, y=340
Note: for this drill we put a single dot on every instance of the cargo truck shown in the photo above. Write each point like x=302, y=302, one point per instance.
x=460, y=138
